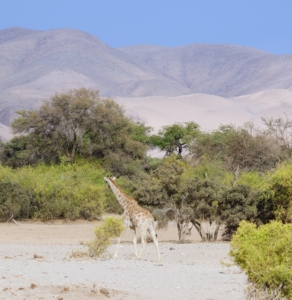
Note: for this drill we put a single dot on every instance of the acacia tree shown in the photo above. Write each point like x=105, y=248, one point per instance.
x=81, y=122
x=236, y=204
x=174, y=196
x=63, y=122
x=244, y=147
x=202, y=197
x=175, y=138
x=281, y=130
x=160, y=192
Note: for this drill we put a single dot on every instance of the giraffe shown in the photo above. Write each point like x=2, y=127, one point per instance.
x=135, y=217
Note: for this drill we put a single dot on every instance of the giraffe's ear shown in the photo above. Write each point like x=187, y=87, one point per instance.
x=114, y=178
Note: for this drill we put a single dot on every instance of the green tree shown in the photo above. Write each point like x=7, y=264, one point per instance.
x=176, y=137
x=80, y=122
x=161, y=191
x=236, y=204
x=63, y=122
x=172, y=195
x=202, y=197
x=27, y=150
x=281, y=130
x=245, y=148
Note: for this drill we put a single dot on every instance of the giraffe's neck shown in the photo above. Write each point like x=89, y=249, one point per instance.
x=121, y=197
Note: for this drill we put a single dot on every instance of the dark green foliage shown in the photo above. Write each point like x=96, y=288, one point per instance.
x=14, y=153
x=174, y=196
x=153, y=163
x=162, y=189
x=266, y=207
x=141, y=132
x=14, y=201
x=202, y=197
x=27, y=150
x=237, y=204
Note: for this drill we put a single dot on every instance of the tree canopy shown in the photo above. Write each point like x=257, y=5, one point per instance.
x=79, y=122
x=176, y=137
x=245, y=146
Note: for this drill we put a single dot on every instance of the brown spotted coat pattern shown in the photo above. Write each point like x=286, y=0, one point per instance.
x=134, y=217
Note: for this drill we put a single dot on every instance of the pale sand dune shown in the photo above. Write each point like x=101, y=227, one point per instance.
x=5, y=132
x=209, y=111
x=261, y=101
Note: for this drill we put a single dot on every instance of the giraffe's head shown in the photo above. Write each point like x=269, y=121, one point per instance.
x=107, y=180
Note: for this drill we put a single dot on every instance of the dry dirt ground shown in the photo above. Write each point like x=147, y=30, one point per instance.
x=36, y=263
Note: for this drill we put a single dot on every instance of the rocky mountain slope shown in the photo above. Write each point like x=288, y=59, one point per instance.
x=223, y=70
x=36, y=64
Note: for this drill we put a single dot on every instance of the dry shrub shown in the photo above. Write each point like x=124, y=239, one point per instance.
x=112, y=227
x=262, y=293
x=78, y=254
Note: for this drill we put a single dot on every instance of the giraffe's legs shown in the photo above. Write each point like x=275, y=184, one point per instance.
x=118, y=244
x=143, y=242
x=153, y=235
x=133, y=229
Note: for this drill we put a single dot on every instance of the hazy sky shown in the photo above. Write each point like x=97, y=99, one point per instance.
x=262, y=24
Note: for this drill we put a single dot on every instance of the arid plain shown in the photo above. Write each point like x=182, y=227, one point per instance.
x=36, y=263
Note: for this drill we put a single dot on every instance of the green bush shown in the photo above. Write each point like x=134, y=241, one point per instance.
x=280, y=185
x=265, y=254
x=112, y=227
x=61, y=191
x=14, y=201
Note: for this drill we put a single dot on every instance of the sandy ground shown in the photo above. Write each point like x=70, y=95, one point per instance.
x=36, y=263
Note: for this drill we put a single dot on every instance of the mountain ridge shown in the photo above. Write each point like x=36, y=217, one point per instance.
x=36, y=64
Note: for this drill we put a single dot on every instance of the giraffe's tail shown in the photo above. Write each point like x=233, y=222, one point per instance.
x=153, y=225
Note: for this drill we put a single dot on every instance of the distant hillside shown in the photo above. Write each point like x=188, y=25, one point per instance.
x=36, y=64
x=223, y=70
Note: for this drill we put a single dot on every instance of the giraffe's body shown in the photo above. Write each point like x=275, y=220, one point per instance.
x=134, y=217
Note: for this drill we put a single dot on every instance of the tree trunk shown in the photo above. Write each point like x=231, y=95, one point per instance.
x=72, y=155
x=183, y=229
x=208, y=230
x=197, y=225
